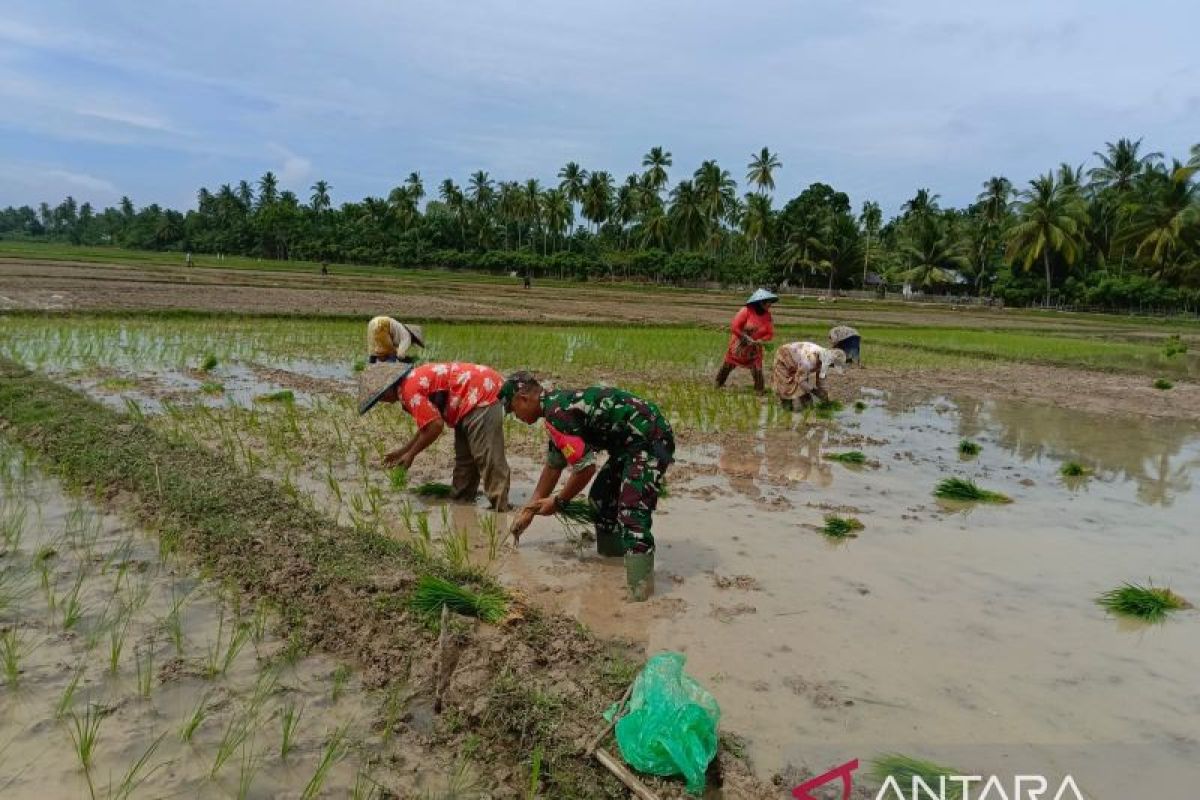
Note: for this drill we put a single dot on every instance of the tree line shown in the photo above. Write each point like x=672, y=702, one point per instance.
x=1124, y=232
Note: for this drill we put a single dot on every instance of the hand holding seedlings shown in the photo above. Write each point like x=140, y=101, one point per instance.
x=399, y=458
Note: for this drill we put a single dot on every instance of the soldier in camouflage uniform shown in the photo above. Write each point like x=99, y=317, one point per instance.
x=633, y=431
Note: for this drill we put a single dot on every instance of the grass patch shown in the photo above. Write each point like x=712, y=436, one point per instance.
x=1073, y=469
x=841, y=527
x=1147, y=603
x=434, y=592
x=212, y=387
x=968, y=448
x=398, y=478
x=1174, y=346
x=966, y=490
x=1163, y=384
x=433, y=489
x=285, y=396
x=906, y=771
x=826, y=409
x=859, y=406
x=209, y=363
x=117, y=384
x=851, y=457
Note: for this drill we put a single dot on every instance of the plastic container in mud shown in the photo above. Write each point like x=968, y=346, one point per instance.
x=608, y=542
x=639, y=574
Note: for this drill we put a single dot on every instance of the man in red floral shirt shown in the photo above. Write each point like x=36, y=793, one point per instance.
x=459, y=395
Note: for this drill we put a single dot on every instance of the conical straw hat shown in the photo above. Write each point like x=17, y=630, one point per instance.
x=762, y=296
x=375, y=380
x=416, y=332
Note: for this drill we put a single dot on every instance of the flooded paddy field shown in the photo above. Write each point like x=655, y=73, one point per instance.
x=964, y=633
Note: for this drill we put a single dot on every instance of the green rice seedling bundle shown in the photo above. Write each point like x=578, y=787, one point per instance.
x=826, y=409
x=966, y=447
x=433, y=489
x=398, y=478
x=212, y=387
x=285, y=396
x=1148, y=603
x=966, y=490
x=904, y=769
x=209, y=363
x=433, y=592
x=1073, y=469
x=850, y=457
x=1163, y=384
x=579, y=512
x=1175, y=345
x=841, y=527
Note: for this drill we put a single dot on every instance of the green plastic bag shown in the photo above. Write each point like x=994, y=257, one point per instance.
x=671, y=727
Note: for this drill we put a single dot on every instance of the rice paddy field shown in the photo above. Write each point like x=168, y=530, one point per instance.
x=210, y=587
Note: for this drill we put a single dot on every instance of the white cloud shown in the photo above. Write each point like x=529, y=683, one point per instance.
x=295, y=170
x=28, y=183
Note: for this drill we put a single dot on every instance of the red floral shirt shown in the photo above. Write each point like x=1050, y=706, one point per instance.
x=448, y=391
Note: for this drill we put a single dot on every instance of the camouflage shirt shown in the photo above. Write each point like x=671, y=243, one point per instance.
x=601, y=418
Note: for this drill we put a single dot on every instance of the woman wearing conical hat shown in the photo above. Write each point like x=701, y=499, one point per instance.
x=389, y=341
x=751, y=329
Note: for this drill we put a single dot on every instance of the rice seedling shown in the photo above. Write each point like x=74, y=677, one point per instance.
x=235, y=734
x=12, y=526
x=1163, y=384
x=365, y=787
x=247, y=770
x=333, y=752
x=456, y=548
x=966, y=491
x=535, y=773
x=1073, y=469
x=841, y=527
x=262, y=616
x=72, y=606
x=491, y=531
x=341, y=676
x=212, y=387
x=851, y=457
x=360, y=364
x=398, y=478
x=137, y=774
x=910, y=773
x=859, y=406
x=433, y=489
x=1174, y=346
x=68, y=693
x=145, y=669
x=116, y=642
x=284, y=396
x=194, y=720
x=579, y=512
x=826, y=409
x=12, y=649
x=209, y=363
x=433, y=592
x=85, y=733
x=968, y=448
x=289, y=721
x=1147, y=603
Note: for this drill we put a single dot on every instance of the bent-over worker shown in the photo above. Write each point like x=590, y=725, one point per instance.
x=459, y=395
x=846, y=339
x=390, y=341
x=634, y=433
x=750, y=330
x=798, y=374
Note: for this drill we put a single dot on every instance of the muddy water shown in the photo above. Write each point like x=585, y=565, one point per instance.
x=127, y=593
x=968, y=635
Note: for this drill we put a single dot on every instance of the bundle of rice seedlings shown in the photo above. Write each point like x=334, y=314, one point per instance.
x=962, y=489
x=1147, y=603
x=966, y=447
x=579, y=512
x=212, y=387
x=209, y=363
x=433, y=489
x=1175, y=345
x=851, y=457
x=825, y=409
x=398, y=477
x=1073, y=469
x=903, y=769
x=282, y=396
x=841, y=527
x=859, y=406
x=1163, y=383
x=432, y=593
x=360, y=364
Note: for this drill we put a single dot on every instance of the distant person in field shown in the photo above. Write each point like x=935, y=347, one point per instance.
x=752, y=327
x=324, y=268
x=188, y=259
x=848, y=340
x=799, y=372
x=390, y=341
x=528, y=280
x=458, y=395
x=580, y=423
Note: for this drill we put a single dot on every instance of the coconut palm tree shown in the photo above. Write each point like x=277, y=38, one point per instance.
x=627, y=203
x=481, y=191
x=597, y=198
x=571, y=180
x=319, y=201
x=687, y=215
x=557, y=212
x=871, y=220
x=1049, y=225
x=1166, y=223
x=268, y=189
x=923, y=204
x=1195, y=160
x=453, y=197
x=995, y=199
x=245, y=194
x=656, y=163
x=930, y=257
x=416, y=188
x=756, y=221
x=1120, y=164
x=716, y=191
x=760, y=170
x=531, y=208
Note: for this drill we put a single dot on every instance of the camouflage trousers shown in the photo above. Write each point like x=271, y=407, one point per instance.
x=625, y=492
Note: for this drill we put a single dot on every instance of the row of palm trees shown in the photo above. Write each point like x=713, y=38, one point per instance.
x=1133, y=211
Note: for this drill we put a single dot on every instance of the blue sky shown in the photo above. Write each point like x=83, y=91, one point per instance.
x=877, y=97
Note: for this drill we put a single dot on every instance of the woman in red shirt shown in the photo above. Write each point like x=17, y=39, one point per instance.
x=751, y=327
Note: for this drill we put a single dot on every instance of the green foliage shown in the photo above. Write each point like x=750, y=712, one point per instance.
x=398, y=478
x=859, y=406
x=850, y=457
x=209, y=363
x=966, y=447
x=579, y=511
x=285, y=396
x=1163, y=384
x=433, y=592
x=433, y=489
x=1174, y=346
x=904, y=768
x=966, y=490
x=1073, y=469
x=841, y=527
x=212, y=387
x=1147, y=603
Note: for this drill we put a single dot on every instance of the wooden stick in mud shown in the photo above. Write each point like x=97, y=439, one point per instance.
x=599, y=737
x=626, y=777
x=440, y=666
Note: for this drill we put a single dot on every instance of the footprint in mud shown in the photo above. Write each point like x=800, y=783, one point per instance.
x=820, y=694
x=668, y=607
x=727, y=613
x=744, y=582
